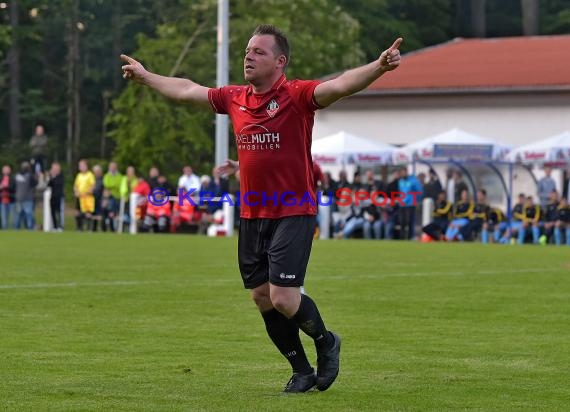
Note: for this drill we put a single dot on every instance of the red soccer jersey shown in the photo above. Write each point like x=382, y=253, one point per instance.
x=273, y=133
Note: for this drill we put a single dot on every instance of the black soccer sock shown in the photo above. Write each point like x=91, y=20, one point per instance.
x=94, y=225
x=285, y=335
x=309, y=321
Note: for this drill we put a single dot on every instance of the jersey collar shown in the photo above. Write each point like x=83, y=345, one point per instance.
x=275, y=86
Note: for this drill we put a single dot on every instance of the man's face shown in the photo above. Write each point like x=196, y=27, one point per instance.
x=6, y=170
x=260, y=61
x=112, y=167
x=39, y=130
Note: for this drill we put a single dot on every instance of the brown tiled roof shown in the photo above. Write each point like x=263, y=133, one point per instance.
x=513, y=63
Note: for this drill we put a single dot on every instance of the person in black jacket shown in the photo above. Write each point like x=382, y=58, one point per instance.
x=7, y=191
x=55, y=183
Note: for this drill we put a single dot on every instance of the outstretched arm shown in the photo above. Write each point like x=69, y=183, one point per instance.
x=354, y=80
x=183, y=90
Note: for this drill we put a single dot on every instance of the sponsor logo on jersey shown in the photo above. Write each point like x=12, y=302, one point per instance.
x=272, y=108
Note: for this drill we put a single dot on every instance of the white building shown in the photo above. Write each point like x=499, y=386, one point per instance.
x=516, y=90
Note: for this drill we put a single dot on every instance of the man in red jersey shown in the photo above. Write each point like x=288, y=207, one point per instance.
x=272, y=120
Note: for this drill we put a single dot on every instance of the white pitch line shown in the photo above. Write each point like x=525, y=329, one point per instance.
x=75, y=284
x=458, y=273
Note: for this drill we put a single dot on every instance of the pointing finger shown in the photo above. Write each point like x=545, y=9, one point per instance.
x=396, y=44
x=128, y=59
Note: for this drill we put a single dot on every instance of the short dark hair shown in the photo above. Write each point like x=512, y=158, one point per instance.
x=281, y=42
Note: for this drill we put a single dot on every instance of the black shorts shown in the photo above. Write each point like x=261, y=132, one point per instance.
x=275, y=250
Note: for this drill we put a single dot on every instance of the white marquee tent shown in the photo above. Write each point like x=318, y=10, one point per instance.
x=555, y=149
x=454, y=144
x=344, y=148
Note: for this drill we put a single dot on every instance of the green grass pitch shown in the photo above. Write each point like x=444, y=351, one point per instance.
x=162, y=323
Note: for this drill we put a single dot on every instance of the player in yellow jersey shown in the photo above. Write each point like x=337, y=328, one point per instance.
x=83, y=190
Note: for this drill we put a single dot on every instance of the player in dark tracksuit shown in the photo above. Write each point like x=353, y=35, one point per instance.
x=495, y=223
x=478, y=217
x=550, y=215
x=442, y=211
x=531, y=220
x=517, y=220
x=461, y=216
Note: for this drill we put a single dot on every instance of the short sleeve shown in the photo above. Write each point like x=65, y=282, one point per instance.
x=303, y=92
x=220, y=99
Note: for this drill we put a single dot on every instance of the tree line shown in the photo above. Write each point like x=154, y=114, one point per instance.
x=60, y=63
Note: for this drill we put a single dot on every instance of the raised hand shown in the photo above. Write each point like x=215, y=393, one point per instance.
x=390, y=59
x=133, y=70
x=227, y=168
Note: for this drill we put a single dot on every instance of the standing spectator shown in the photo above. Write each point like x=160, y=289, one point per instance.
x=460, y=185
x=370, y=184
x=7, y=192
x=432, y=187
x=450, y=186
x=566, y=186
x=142, y=189
x=56, y=184
x=392, y=209
x=356, y=181
x=83, y=191
x=39, y=145
x=112, y=184
x=412, y=191
x=329, y=185
x=189, y=180
x=545, y=187
x=128, y=184
x=209, y=190
x=343, y=180
x=97, y=196
x=153, y=175
x=163, y=183
x=25, y=183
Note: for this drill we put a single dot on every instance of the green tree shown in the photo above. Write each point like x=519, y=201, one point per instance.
x=555, y=16
x=149, y=130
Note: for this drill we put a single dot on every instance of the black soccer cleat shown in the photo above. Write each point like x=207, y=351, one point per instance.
x=301, y=382
x=328, y=364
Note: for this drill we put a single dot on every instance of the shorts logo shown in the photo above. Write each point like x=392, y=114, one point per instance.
x=284, y=276
x=272, y=108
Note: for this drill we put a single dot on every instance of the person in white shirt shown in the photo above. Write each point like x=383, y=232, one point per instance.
x=189, y=180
